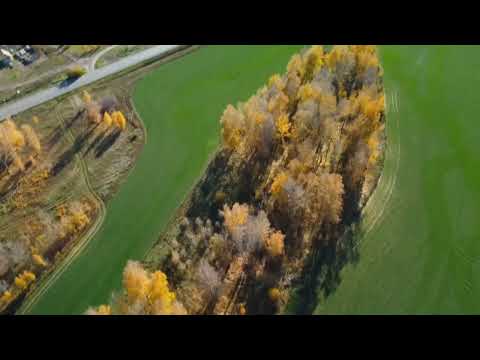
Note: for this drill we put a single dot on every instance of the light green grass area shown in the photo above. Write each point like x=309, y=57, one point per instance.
x=422, y=256
x=118, y=53
x=180, y=104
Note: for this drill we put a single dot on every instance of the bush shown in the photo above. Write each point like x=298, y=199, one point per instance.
x=76, y=71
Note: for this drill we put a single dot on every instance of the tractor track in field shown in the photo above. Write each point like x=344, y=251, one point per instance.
x=82, y=243
x=376, y=206
x=375, y=209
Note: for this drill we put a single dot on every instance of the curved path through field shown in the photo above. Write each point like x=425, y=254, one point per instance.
x=49, y=278
x=379, y=202
x=180, y=103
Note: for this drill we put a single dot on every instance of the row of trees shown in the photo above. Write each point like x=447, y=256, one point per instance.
x=298, y=154
x=328, y=110
x=200, y=263
x=97, y=114
x=24, y=172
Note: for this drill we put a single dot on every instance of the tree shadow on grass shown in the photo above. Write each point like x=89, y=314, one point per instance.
x=95, y=142
x=68, y=155
x=321, y=274
x=73, y=120
x=60, y=130
x=106, y=143
x=56, y=135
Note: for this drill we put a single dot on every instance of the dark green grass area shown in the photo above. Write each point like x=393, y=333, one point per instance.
x=423, y=257
x=180, y=104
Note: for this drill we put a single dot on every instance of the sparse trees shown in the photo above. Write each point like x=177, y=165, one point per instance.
x=6, y=297
x=101, y=310
x=93, y=112
x=13, y=253
x=87, y=98
x=119, y=120
x=107, y=120
x=144, y=293
x=32, y=138
x=23, y=280
x=39, y=260
x=12, y=144
x=208, y=277
x=73, y=218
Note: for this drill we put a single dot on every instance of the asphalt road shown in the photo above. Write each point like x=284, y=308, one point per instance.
x=42, y=96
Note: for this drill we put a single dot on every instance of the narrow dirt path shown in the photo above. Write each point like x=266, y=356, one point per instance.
x=88, y=62
x=50, y=278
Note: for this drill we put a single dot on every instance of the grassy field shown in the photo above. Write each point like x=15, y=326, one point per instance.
x=118, y=53
x=420, y=253
x=180, y=104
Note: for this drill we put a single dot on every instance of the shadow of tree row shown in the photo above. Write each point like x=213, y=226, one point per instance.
x=83, y=143
x=335, y=246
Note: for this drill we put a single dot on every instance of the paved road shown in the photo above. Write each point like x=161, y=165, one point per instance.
x=87, y=62
x=93, y=61
x=42, y=96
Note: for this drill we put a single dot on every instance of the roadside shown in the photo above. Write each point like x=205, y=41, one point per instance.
x=46, y=71
x=111, y=55
x=57, y=270
x=128, y=63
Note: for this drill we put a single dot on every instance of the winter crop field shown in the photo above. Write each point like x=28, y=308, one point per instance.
x=420, y=253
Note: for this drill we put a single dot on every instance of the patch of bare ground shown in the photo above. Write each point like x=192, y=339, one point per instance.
x=57, y=200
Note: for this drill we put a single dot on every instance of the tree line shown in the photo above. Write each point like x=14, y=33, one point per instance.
x=299, y=158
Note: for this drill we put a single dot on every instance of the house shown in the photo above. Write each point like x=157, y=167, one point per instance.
x=25, y=54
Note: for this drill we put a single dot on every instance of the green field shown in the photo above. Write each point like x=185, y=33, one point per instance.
x=180, y=104
x=422, y=255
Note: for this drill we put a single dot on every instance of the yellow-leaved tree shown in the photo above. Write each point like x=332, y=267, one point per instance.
x=144, y=293
x=119, y=120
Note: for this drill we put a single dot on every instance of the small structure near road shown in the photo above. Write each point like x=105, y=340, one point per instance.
x=25, y=54
x=6, y=59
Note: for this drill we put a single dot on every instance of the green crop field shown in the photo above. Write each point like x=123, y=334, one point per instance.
x=420, y=253
x=180, y=104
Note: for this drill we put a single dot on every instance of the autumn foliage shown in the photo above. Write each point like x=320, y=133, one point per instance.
x=298, y=160
x=144, y=293
x=17, y=146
